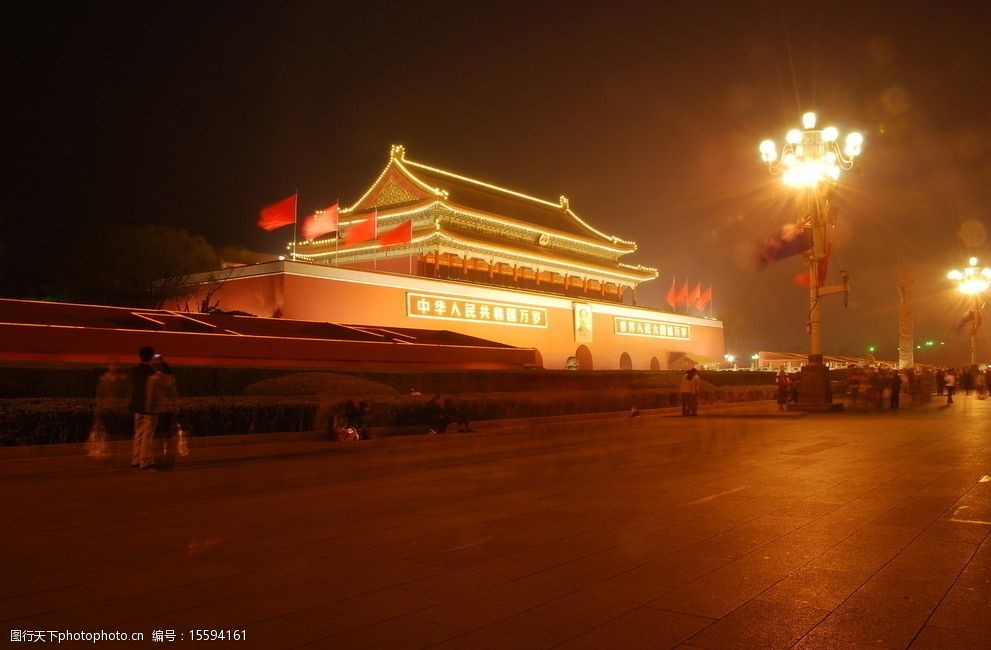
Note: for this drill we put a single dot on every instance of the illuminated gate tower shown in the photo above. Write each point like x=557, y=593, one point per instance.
x=470, y=231
x=478, y=260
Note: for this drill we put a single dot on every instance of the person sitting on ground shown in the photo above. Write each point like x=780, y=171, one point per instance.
x=346, y=416
x=455, y=413
x=436, y=416
x=358, y=421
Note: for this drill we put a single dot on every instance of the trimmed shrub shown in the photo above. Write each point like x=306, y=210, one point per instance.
x=62, y=420
x=318, y=384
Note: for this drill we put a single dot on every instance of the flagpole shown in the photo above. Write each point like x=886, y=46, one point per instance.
x=295, y=218
x=337, y=233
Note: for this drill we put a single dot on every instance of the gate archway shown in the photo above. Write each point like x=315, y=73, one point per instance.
x=584, y=356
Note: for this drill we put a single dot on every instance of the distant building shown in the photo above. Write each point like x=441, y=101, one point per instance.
x=451, y=252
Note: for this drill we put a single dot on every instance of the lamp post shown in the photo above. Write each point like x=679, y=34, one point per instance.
x=811, y=161
x=973, y=282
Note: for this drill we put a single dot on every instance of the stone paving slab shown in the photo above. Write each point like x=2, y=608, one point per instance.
x=742, y=528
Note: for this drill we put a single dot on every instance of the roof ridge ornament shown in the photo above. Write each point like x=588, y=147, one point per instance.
x=563, y=201
x=397, y=151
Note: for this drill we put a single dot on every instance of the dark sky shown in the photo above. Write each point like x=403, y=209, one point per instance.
x=647, y=116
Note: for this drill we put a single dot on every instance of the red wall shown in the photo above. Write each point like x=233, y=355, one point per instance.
x=310, y=297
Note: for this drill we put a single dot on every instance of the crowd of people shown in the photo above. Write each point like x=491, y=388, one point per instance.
x=150, y=393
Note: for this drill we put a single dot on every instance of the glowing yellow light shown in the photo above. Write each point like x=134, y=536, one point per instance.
x=808, y=173
x=793, y=137
x=768, y=151
x=854, y=142
x=972, y=261
x=809, y=120
x=954, y=275
x=974, y=285
x=829, y=134
x=789, y=160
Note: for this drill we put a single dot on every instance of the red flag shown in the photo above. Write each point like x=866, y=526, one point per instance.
x=695, y=295
x=401, y=234
x=682, y=294
x=363, y=231
x=793, y=239
x=705, y=298
x=281, y=213
x=321, y=222
x=672, y=296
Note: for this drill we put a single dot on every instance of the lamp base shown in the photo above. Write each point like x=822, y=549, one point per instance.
x=815, y=393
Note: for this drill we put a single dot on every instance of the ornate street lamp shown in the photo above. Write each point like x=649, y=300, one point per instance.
x=973, y=282
x=811, y=161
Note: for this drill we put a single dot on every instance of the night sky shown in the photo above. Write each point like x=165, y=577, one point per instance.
x=647, y=116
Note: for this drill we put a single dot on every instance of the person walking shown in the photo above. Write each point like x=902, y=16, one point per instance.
x=967, y=379
x=690, y=392
x=111, y=395
x=782, y=383
x=896, y=388
x=142, y=453
x=951, y=384
x=940, y=382
x=163, y=402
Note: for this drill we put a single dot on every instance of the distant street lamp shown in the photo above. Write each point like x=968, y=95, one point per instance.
x=972, y=282
x=811, y=161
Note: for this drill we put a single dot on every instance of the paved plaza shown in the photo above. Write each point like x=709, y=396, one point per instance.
x=744, y=527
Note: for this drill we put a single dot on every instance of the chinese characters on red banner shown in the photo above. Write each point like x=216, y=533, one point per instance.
x=655, y=329
x=420, y=305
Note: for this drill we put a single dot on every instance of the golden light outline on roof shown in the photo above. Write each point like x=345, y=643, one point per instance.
x=513, y=253
x=482, y=183
x=438, y=234
x=613, y=238
x=454, y=207
x=486, y=247
x=562, y=203
x=397, y=158
x=396, y=153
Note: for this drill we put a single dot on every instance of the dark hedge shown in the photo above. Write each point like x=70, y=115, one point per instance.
x=198, y=381
x=65, y=420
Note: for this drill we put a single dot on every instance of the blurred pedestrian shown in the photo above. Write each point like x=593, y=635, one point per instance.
x=112, y=395
x=951, y=384
x=782, y=383
x=163, y=402
x=689, y=389
x=940, y=381
x=142, y=451
x=967, y=379
x=896, y=388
